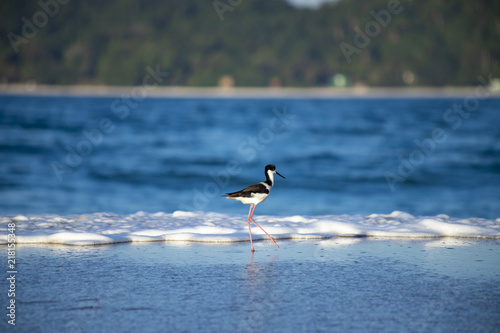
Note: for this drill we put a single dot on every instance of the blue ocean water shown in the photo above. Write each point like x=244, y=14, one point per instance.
x=76, y=155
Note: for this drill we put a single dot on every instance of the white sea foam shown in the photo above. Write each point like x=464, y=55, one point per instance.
x=107, y=228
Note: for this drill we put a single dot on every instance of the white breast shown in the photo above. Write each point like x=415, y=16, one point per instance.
x=255, y=199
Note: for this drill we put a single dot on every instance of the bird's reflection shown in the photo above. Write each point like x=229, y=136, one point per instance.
x=258, y=290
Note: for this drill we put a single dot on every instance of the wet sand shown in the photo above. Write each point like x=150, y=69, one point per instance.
x=338, y=284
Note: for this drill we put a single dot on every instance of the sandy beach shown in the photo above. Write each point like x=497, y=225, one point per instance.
x=241, y=92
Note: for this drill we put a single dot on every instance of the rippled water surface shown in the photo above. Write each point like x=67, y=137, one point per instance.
x=72, y=155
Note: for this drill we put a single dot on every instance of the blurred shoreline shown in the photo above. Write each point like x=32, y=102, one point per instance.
x=32, y=89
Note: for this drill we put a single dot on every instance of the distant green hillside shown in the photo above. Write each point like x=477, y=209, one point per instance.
x=256, y=42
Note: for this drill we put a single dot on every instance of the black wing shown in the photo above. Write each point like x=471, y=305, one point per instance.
x=248, y=191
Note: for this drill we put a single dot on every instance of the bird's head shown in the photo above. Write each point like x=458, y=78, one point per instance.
x=271, y=169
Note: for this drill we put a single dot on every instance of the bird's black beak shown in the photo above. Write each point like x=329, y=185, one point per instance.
x=280, y=175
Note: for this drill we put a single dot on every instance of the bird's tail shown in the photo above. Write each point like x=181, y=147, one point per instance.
x=230, y=195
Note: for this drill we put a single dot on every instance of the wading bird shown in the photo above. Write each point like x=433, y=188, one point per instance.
x=255, y=194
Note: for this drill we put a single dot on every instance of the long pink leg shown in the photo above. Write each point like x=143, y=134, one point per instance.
x=249, y=230
x=252, y=210
x=251, y=218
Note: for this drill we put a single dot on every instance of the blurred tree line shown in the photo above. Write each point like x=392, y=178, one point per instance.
x=255, y=42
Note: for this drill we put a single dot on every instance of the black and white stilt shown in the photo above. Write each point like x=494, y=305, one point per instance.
x=255, y=194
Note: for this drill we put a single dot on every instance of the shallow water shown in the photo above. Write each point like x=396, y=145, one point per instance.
x=444, y=284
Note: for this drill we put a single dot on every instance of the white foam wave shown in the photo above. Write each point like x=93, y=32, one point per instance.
x=108, y=228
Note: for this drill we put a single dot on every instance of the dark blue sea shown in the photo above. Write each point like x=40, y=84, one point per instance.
x=77, y=155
